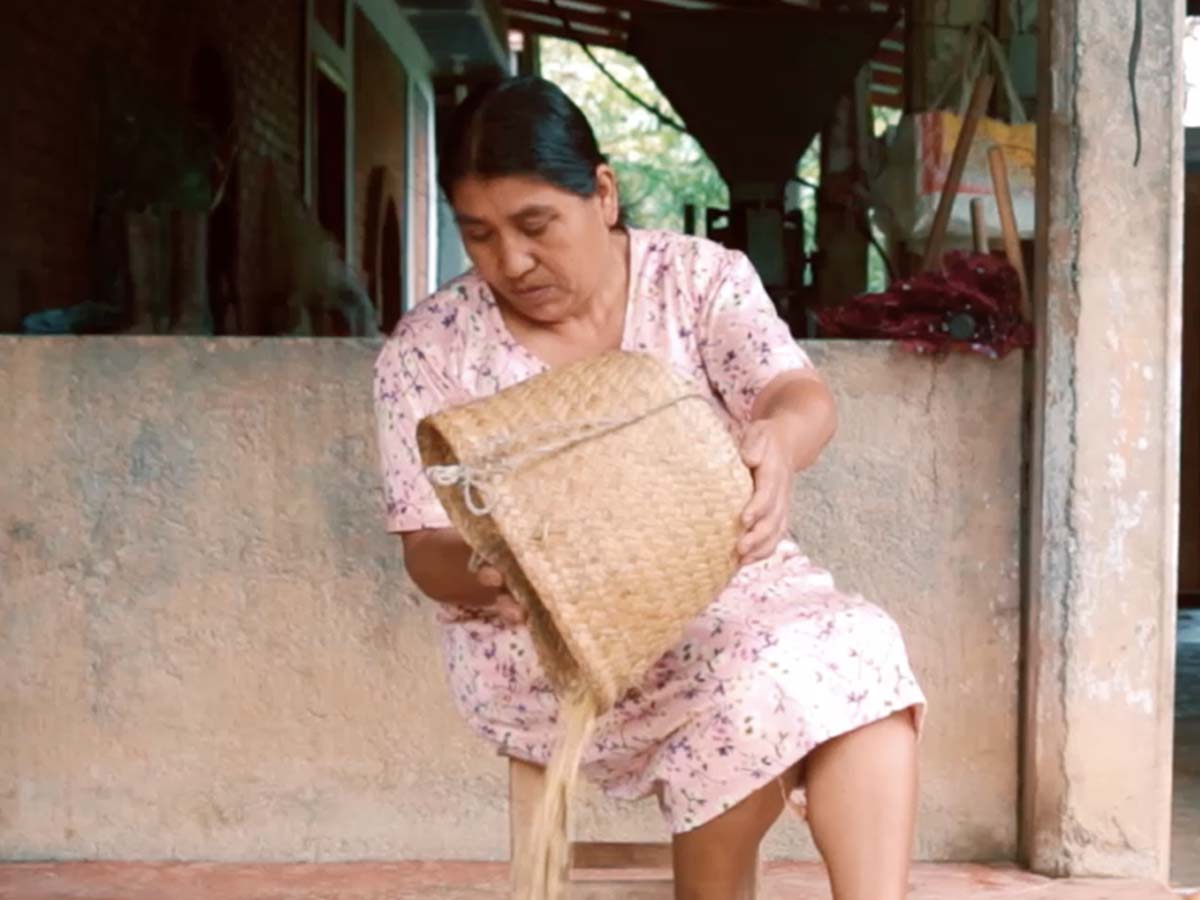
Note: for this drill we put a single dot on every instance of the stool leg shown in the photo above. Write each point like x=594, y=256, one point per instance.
x=526, y=784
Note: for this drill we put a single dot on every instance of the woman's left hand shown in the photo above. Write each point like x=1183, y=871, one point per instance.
x=764, y=450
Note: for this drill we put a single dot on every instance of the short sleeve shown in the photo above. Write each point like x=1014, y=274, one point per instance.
x=743, y=341
x=407, y=388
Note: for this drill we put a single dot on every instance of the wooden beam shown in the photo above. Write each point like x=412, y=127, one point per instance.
x=1008, y=224
x=593, y=38
x=1002, y=21
x=631, y=6
x=1002, y=28
x=885, y=77
x=620, y=890
x=840, y=271
x=637, y=6
x=891, y=101
x=916, y=53
x=980, y=98
x=979, y=227
x=611, y=21
x=653, y=6
x=621, y=855
x=886, y=57
x=526, y=784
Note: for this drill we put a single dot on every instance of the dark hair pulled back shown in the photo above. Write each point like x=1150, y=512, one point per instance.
x=521, y=126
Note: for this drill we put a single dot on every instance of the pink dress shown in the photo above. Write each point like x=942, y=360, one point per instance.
x=779, y=663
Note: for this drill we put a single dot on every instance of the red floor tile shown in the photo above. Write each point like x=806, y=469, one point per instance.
x=477, y=881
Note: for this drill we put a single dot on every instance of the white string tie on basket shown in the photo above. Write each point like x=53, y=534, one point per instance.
x=474, y=481
x=477, y=480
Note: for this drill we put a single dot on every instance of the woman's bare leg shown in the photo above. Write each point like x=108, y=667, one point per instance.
x=862, y=798
x=862, y=790
x=716, y=861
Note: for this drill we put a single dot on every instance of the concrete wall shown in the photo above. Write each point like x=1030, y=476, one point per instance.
x=211, y=650
x=1105, y=463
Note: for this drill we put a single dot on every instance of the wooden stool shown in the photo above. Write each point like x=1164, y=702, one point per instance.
x=596, y=867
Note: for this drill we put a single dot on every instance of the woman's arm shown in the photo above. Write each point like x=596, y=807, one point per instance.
x=803, y=407
x=791, y=421
x=413, y=380
x=438, y=561
x=767, y=382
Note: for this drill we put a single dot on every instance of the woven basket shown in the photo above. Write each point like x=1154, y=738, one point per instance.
x=608, y=494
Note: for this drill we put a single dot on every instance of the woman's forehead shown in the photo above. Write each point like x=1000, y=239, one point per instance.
x=506, y=197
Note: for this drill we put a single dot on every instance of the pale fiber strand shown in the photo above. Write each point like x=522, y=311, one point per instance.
x=550, y=843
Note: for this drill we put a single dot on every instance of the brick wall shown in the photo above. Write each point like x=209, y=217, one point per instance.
x=380, y=117
x=331, y=15
x=50, y=73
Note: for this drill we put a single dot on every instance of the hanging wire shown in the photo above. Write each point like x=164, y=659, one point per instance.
x=649, y=107
x=680, y=127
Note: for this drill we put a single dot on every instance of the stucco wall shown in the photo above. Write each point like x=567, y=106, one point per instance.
x=211, y=650
x=1104, y=491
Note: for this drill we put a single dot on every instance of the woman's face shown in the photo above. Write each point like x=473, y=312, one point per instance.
x=544, y=250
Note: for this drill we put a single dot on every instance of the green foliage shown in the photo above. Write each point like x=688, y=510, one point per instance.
x=659, y=169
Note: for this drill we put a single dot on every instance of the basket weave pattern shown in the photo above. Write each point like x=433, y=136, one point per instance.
x=608, y=494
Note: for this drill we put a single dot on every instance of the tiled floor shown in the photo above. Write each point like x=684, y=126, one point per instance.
x=478, y=881
x=1185, y=855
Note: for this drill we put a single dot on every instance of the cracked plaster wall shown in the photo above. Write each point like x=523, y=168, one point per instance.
x=1106, y=444
x=211, y=650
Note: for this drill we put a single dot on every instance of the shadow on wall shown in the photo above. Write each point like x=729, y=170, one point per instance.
x=384, y=251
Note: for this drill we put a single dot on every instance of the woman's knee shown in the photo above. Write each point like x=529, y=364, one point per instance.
x=746, y=823
x=719, y=859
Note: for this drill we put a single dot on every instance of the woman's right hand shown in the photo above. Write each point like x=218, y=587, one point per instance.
x=442, y=565
x=506, y=607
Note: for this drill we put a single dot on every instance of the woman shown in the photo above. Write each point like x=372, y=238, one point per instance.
x=782, y=683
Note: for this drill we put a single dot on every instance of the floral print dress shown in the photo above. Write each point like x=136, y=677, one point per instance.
x=779, y=663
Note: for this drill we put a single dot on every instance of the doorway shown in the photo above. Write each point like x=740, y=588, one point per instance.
x=213, y=103
x=391, y=274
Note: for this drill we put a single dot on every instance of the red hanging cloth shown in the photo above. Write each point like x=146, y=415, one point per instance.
x=973, y=306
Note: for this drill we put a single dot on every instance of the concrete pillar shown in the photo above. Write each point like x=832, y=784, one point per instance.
x=1104, y=450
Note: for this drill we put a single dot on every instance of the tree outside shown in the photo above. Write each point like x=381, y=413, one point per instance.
x=660, y=169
